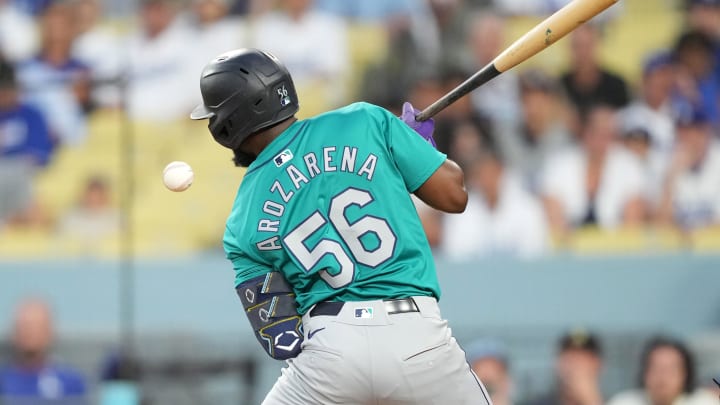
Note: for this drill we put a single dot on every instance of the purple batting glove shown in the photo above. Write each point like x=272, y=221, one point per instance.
x=424, y=128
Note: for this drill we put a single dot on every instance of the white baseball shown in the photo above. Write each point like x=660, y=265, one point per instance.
x=178, y=176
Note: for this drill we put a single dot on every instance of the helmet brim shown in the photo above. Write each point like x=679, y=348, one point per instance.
x=201, y=112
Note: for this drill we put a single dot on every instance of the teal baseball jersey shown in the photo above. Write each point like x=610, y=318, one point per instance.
x=327, y=204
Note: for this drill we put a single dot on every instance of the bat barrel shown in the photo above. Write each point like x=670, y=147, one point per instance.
x=549, y=31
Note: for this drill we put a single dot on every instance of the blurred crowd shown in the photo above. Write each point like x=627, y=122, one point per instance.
x=667, y=374
x=545, y=152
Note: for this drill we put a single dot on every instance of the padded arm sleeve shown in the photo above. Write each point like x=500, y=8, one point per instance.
x=270, y=305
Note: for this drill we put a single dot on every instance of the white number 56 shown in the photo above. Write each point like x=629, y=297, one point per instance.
x=351, y=234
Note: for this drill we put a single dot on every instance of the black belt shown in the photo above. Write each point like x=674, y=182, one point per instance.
x=398, y=306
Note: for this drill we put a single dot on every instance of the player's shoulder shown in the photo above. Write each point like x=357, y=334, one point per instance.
x=360, y=109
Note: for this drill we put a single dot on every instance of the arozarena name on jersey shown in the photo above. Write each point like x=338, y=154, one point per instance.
x=329, y=161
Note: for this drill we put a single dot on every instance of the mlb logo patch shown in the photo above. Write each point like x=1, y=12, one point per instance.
x=364, y=313
x=284, y=98
x=283, y=158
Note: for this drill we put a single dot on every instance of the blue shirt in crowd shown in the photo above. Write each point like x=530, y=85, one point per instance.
x=32, y=7
x=48, y=385
x=24, y=132
x=50, y=88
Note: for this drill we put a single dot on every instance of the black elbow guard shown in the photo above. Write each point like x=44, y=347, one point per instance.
x=270, y=305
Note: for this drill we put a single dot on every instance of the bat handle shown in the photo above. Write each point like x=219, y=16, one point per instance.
x=483, y=76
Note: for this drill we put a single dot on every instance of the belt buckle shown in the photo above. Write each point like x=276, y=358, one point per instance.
x=400, y=306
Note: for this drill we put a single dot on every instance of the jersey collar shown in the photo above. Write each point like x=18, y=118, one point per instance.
x=285, y=139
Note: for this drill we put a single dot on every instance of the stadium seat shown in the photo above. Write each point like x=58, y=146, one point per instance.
x=706, y=240
x=591, y=240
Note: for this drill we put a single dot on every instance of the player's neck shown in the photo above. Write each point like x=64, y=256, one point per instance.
x=255, y=144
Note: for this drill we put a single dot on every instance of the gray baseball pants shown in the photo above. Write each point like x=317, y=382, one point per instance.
x=363, y=355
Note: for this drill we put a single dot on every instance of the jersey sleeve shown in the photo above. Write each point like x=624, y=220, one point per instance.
x=245, y=267
x=414, y=157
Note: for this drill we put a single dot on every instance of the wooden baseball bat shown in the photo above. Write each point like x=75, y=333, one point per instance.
x=538, y=38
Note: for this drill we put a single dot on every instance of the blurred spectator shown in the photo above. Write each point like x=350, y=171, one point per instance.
x=33, y=378
x=499, y=99
x=653, y=116
x=54, y=80
x=94, y=217
x=704, y=16
x=501, y=218
x=597, y=183
x=489, y=361
x=667, y=377
x=410, y=24
x=577, y=372
x=637, y=141
x=467, y=139
x=23, y=130
x=162, y=82
x=654, y=109
x=699, y=85
x=588, y=83
x=25, y=144
x=18, y=39
x=452, y=18
x=691, y=195
x=215, y=32
x=542, y=130
x=312, y=44
x=97, y=46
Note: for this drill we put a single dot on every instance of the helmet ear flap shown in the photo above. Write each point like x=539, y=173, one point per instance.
x=223, y=136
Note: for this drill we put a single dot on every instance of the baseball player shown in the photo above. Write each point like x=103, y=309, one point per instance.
x=331, y=263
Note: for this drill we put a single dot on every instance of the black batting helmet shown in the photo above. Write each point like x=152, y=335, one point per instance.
x=244, y=91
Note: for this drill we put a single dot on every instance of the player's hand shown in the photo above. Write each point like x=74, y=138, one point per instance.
x=424, y=128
